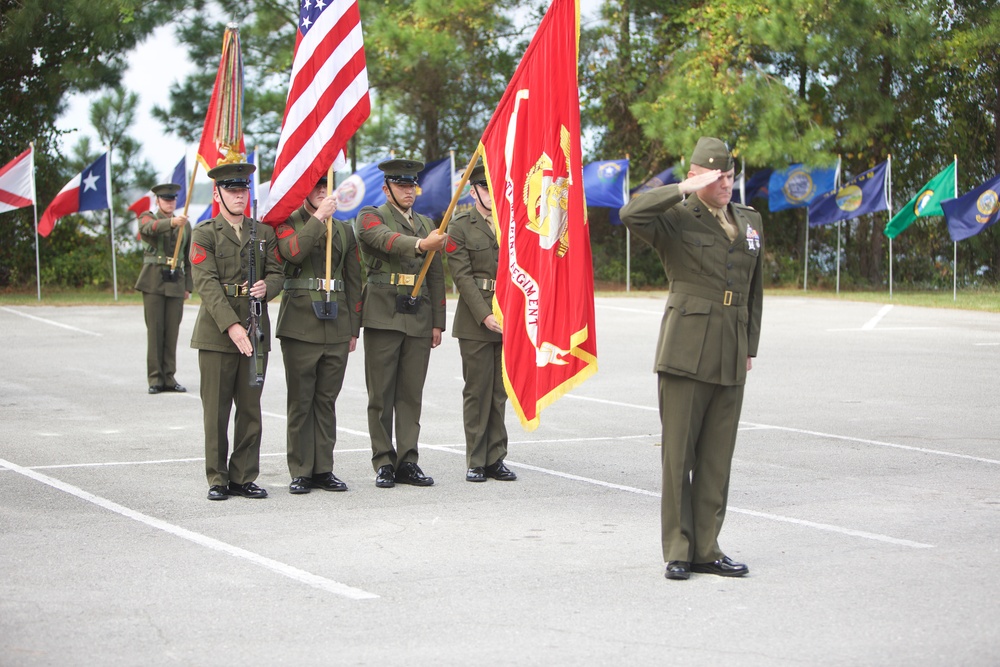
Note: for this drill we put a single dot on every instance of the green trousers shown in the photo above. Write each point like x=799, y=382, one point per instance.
x=483, y=401
x=163, y=322
x=699, y=422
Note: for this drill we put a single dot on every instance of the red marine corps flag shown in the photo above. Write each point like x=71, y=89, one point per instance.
x=327, y=102
x=545, y=283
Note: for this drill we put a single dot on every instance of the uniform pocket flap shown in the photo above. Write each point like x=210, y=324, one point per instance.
x=696, y=239
x=687, y=304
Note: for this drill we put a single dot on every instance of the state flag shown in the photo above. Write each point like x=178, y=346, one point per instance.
x=797, y=186
x=90, y=190
x=865, y=193
x=360, y=189
x=974, y=211
x=17, y=183
x=926, y=202
x=605, y=183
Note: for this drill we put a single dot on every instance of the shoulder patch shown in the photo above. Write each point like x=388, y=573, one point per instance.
x=370, y=220
x=452, y=246
x=198, y=254
x=284, y=230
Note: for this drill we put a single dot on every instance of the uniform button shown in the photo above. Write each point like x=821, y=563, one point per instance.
x=729, y=283
x=684, y=311
x=732, y=250
x=729, y=266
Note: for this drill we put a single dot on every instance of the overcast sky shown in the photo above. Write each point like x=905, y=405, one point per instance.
x=151, y=80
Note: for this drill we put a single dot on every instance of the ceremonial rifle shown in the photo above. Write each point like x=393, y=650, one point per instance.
x=256, y=309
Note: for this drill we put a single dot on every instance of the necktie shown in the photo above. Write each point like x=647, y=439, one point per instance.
x=728, y=227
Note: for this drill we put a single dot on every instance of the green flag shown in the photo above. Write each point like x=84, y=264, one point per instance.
x=926, y=202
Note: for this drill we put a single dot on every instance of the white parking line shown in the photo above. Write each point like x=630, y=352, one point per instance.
x=52, y=322
x=283, y=569
x=870, y=324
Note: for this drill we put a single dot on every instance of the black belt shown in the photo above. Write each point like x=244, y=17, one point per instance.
x=725, y=297
x=317, y=284
x=487, y=284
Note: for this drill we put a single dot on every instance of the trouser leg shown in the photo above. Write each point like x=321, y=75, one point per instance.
x=244, y=464
x=477, y=371
x=330, y=379
x=382, y=350
x=154, y=311
x=173, y=313
x=218, y=375
x=414, y=357
x=301, y=360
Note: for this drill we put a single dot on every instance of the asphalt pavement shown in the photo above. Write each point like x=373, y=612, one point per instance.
x=865, y=498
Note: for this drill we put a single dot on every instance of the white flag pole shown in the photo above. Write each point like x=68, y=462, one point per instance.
x=628, y=235
x=111, y=222
x=888, y=191
x=954, y=277
x=836, y=188
x=805, y=276
x=34, y=207
x=451, y=154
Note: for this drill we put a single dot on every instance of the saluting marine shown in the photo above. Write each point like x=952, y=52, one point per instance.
x=711, y=251
x=164, y=288
x=399, y=331
x=473, y=255
x=220, y=257
x=316, y=334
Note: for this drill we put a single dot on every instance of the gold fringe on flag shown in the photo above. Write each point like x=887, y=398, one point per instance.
x=228, y=128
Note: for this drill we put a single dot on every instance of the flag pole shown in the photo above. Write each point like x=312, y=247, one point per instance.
x=444, y=223
x=628, y=234
x=34, y=207
x=187, y=203
x=889, y=195
x=954, y=277
x=451, y=179
x=836, y=188
x=111, y=224
x=805, y=277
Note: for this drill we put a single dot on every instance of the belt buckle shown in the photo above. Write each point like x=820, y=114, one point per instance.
x=405, y=279
x=727, y=298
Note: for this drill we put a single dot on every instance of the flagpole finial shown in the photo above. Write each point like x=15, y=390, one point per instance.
x=233, y=25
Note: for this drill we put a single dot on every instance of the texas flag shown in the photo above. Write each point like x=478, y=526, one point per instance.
x=88, y=191
x=17, y=189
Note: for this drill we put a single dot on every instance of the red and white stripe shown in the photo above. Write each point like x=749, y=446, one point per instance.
x=327, y=102
x=17, y=188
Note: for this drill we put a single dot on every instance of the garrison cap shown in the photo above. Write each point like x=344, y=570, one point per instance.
x=166, y=190
x=235, y=176
x=401, y=171
x=478, y=176
x=712, y=153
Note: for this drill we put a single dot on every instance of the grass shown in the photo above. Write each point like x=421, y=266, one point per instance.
x=986, y=300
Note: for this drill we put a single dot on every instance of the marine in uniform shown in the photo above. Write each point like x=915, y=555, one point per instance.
x=220, y=256
x=163, y=289
x=473, y=255
x=394, y=240
x=711, y=251
x=315, y=343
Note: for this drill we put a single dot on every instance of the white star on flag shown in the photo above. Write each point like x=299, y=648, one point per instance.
x=90, y=183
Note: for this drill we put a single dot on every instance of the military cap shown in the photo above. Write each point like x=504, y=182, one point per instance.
x=166, y=190
x=235, y=176
x=401, y=171
x=712, y=153
x=478, y=176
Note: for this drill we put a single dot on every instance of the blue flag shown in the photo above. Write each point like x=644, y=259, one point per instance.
x=205, y=215
x=605, y=183
x=797, y=186
x=665, y=177
x=863, y=194
x=434, y=189
x=756, y=187
x=362, y=188
x=974, y=211
x=179, y=177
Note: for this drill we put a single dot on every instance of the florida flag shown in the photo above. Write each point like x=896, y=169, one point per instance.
x=17, y=188
x=88, y=191
x=545, y=283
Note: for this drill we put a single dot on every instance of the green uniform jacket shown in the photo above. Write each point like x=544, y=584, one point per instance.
x=219, y=258
x=302, y=240
x=160, y=239
x=473, y=254
x=388, y=246
x=700, y=336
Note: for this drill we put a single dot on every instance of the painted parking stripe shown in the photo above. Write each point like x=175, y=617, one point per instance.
x=283, y=569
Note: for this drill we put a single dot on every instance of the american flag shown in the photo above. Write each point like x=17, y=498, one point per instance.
x=327, y=102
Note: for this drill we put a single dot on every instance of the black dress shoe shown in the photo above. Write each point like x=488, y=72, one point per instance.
x=300, y=485
x=155, y=389
x=477, y=474
x=248, y=490
x=328, y=482
x=410, y=473
x=218, y=492
x=678, y=569
x=385, y=478
x=501, y=472
x=726, y=567
x=174, y=387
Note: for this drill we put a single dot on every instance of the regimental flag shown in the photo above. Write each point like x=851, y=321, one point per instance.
x=17, y=185
x=545, y=285
x=178, y=176
x=863, y=194
x=605, y=183
x=756, y=186
x=327, y=102
x=90, y=190
x=797, y=186
x=926, y=202
x=974, y=211
x=434, y=185
x=360, y=189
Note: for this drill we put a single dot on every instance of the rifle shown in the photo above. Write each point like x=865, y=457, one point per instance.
x=256, y=309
